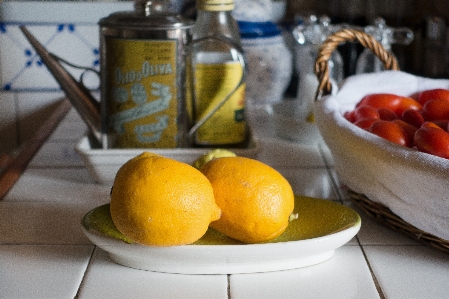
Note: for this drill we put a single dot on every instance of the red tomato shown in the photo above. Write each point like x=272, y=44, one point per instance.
x=436, y=109
x=396, y=103
x=431, y=94
x=407, y=103
x=364, y=112
x=443, y=124
x=432, y=141
x=413, y=117
x=349, y=115
x=365, y=123
x=381, y=100
x=390, y=131
x=386, y=114
x=409, y=129
x=430, y=124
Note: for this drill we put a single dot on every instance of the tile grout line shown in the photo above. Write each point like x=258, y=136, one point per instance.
x=85, y=272
x=333, y=179
x=376, y=282
x=341, y=197
x=17, y=118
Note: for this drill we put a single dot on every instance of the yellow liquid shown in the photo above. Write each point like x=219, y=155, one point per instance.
x=213, y=83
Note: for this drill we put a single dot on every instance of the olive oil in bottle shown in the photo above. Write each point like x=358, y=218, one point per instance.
x=217, y=70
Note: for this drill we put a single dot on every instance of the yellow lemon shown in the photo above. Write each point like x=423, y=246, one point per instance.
x=212, y=154
x=162, y=202
x=256, y=200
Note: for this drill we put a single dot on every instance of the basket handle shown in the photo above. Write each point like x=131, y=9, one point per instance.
x=333, y=41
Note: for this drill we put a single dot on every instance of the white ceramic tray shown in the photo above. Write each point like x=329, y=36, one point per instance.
x=103, y=164
x=322, y=227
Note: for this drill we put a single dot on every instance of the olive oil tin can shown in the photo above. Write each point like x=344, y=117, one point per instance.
x=143, y=78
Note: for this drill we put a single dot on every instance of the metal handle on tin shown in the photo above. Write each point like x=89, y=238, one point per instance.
x=85, y=69
x=242, y=62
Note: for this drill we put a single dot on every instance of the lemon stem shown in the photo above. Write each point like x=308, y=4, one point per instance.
x=293, y=216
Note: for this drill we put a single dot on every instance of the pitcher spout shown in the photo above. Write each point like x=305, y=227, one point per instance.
x=80, y=97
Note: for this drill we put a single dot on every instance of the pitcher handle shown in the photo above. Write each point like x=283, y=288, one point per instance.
x=85, y=69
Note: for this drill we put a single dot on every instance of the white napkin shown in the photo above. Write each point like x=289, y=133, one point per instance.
x=414, y=185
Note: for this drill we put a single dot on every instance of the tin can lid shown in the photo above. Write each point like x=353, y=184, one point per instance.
x=215, y=5
x=140, y=21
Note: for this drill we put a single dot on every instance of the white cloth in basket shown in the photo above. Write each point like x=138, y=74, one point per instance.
x=414, y=185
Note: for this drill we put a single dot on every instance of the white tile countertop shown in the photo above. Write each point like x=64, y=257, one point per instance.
x=44, y=254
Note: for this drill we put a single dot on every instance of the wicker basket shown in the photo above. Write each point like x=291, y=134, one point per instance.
x=376, y=210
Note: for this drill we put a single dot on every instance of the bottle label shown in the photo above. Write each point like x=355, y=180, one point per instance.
x=213, y=82
x=142, y=107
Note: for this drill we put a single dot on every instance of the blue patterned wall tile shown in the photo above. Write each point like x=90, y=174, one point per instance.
x=23, y=70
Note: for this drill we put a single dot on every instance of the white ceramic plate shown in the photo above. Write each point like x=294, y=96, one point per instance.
x=332, y=224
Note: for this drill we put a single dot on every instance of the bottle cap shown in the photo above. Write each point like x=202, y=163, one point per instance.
x=215, y=5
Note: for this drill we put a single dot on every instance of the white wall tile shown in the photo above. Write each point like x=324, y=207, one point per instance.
x=70, y=130
x=33, y=110
x=57, y=154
